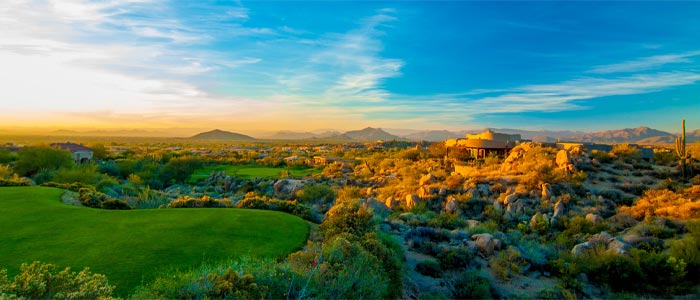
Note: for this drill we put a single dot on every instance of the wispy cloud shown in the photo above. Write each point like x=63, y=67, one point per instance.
x=646, y=63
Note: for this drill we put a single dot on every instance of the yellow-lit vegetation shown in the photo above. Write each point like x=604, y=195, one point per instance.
x=666, y=203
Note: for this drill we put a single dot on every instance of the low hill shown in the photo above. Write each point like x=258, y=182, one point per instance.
x=221, y=135
x=433, y=135
x=133, y=247
x=368, y=134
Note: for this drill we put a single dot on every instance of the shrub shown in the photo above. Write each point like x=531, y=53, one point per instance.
x=618, y=272
x=15, y=181
x=86, y=174
x=252, y=200
x=31, y=160
x=454, y=258
x=45, y=281
x=470, y=285
x=115, y=204
x=663, y=274
x=507, y=263
x=429, y=268
x=663, y=203
x=230, y=284
x=601, y=156
x=448, y=221
x=340, y=270
x=75, y=186
x=316, y=193
x=348, y=217
x=91, y=198
x=202, y=202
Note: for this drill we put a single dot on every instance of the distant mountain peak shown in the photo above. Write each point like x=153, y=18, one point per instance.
x=218, y=134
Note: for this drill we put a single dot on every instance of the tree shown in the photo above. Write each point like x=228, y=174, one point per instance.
x=32, y=160
x=99, y=152
x=437, y=150
x=179, y=169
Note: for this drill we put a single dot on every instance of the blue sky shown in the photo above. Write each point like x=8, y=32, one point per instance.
x=267, y=65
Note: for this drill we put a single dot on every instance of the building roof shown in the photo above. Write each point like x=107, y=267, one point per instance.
x=72, y=147
x=483, y=144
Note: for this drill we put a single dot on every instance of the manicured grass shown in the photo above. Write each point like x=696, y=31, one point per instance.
x=251, y=171
x=133, y=247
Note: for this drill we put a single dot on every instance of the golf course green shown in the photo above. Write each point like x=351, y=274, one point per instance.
x=252, y=171
x=133, y=247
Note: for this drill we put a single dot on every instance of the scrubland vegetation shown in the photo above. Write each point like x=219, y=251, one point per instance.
x=388, y=220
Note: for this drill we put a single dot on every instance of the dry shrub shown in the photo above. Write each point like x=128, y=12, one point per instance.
x=665, y=203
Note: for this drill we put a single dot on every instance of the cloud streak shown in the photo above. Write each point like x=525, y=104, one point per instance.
x=646, y=63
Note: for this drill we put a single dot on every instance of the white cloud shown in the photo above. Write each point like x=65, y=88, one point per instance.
x=646, y=63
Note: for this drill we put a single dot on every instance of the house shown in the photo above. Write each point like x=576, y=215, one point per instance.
x=81, y=154
x=485, y=144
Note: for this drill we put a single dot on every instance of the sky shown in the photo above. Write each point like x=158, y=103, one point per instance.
x=297, y=65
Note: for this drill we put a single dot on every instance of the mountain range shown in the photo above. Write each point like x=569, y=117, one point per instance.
x=640, y=135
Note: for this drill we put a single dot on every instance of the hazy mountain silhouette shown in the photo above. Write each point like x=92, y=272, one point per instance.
x=217, y=134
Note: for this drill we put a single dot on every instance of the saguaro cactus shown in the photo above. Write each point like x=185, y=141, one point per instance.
x=680, y=150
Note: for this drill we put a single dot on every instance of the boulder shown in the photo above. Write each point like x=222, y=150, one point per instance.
x=484, y=243
x=411, y=201
x=581, y=248
x=515, y=208
x=497, y=205
x=510, y=199
x=546, y=191
x=536, y=218
x=593, y=218
x=484, y=189
x=452, y=206
x=559, y=211
x=563, y=158
x=426, y=179
x=472, y=223
x=618, y=246
x=602, y=237
x=391, y=202
x=564, y=161
x=287, y=186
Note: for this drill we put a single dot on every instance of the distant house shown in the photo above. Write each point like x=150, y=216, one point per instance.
x=485, y=144
x=81, y=154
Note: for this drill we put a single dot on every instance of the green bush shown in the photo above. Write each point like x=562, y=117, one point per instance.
x=32, y=160
x=115, y=204
x=45, y=281
x=507, y=263
x=663, y=274
x=454, y=258
x=254, y=201
x=230, y=284
x=348, y=217
x=618, y=272
x=429, y=268
x=91, y=198
x=201, y=202
x=470, y=285
x=86, y=174
x=75, y=186
x=316, y=194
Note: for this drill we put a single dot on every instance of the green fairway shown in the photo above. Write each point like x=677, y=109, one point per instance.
x=132, y=247
x=252, y=171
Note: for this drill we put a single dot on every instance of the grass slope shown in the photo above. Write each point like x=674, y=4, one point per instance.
x=132, y=247
x=251, y=171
